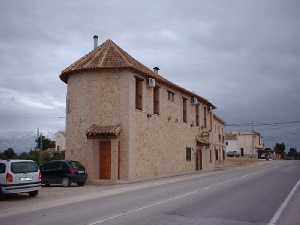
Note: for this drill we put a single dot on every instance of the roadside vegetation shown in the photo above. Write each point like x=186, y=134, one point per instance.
x=43, y=152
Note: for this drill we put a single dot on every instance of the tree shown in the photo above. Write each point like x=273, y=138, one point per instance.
x=58, y=155
x=280, y=149
x=44, y=143
x=23, y=155
x=8, y=154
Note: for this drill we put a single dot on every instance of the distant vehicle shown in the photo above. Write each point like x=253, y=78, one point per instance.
x=19, y=176
x=233, y=154
x=63, y=172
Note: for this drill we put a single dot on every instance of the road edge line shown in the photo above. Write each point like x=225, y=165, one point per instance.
x=284, y=204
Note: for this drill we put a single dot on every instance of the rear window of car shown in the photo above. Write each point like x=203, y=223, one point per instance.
x=2, y=168
x=76, y=165
x=24, y=167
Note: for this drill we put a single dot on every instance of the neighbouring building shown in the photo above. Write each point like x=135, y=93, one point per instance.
x=247, y=144
x=127, y=122
x=60, y=141
x=218, y=143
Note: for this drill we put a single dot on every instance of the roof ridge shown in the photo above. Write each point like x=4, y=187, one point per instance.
x=120, y=53
x=105, y=53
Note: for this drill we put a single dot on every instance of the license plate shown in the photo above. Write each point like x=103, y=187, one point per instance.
x=25, y=179
x=80, y=171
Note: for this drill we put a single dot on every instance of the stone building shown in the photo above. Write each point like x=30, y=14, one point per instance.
x=247, y=144
x=127, y=122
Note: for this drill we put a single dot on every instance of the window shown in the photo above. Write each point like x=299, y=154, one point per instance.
x=171, y=96
x=211, y=121
x=188, y=153
x=184, y=106
x=197, y=115
x=217, y=155
x=205, y=119
x=24, y=167
x=156, y=100
x=2, y=168
x=138, y=93
x=210, y=156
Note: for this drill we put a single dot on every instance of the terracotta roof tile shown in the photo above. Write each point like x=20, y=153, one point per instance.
x=102, y=131
x=110, y=56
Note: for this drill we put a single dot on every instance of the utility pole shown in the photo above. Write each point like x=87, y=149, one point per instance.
x=252, y=130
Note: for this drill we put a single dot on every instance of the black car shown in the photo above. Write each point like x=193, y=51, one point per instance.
x=63, y=172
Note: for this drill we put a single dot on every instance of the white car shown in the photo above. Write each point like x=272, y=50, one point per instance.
x=19, y=176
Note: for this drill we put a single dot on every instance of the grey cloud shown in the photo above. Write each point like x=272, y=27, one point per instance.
x=242, y=55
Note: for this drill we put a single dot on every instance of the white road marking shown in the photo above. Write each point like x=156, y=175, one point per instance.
x=284, y=204
x=144, y=207
x=105, y=219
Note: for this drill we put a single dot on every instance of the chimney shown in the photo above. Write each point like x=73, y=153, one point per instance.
x=155, y=70
x=95, y=37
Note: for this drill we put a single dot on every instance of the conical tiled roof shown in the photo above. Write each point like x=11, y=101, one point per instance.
x=107, y=55
x=110, y=56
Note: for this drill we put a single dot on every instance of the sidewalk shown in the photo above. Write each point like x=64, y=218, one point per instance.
x=56, y=196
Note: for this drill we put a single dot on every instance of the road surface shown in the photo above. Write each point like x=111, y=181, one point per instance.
x=262, y=195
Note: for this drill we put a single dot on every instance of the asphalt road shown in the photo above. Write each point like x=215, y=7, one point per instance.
x=247, y=196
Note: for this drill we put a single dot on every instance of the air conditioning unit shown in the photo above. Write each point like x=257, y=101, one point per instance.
x=195, y=101
x=151, y=83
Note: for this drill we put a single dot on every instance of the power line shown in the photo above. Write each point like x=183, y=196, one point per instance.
x=258, y=124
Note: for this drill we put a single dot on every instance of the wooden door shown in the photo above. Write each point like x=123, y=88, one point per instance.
x=105, y=160
x=199, y=159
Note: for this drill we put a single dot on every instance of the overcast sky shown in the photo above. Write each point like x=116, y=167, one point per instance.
x=244, y=56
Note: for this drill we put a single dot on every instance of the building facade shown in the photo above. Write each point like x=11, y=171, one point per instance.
x=126, y=122
x=60, y=141
x=247, y=144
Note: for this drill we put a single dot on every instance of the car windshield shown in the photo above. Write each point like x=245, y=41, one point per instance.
x=24, y=167
x=76, y=165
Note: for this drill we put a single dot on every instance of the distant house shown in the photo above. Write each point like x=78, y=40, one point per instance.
x=247, y=144
x=60, y=141
x=126, y=121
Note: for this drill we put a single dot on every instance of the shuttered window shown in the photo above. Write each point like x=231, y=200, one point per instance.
x=197, y=115
x=184, y=108
x=171, y=96
x=188, y=154
x=156, y=100
x=138, y=93
x=205, y=119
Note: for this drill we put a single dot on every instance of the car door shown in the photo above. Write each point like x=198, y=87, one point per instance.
x=59, y=172
x=49, y=173
x=2, y=173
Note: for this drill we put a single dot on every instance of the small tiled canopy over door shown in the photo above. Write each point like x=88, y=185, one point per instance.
x=105, y=160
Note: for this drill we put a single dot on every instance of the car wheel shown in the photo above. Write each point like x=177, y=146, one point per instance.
x=33, y=193
x=81, y=183
x=66, y=182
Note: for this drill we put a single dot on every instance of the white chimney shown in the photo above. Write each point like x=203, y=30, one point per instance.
x=95, y=37
x=156, y=69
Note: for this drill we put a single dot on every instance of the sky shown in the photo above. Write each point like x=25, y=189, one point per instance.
x=244, y=56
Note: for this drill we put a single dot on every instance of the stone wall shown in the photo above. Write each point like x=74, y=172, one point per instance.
x=96, y=98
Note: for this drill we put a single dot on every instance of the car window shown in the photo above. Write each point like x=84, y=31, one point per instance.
x=50, y=166
x=76, y=165
x=24, y=167
x=2, y=168
x=65, y=166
